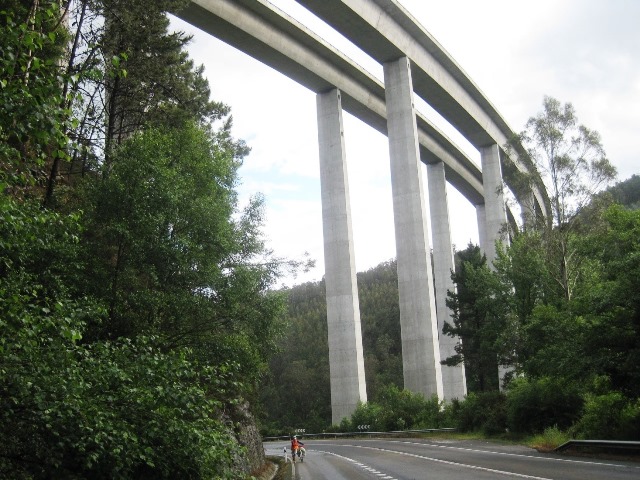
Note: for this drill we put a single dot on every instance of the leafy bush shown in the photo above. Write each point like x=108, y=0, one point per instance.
x=396, y=409
x=371, y=414
x=485, y=412
x=609, y=416
x=110, y=410
x=403, y=409
x=536, y=404
x=73, y=409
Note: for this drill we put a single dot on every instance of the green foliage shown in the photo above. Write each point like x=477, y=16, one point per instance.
x=569, y=156
x=572, y=163
x=478, y=320
x=609, y=416
x=544, y=352
x=171, y=254
x=33, y=118
x=121, y=410
x=162, y=87
x=627, y=193
x=297, y=394
x=610, y=304
x=396, y=409
x=99, y=410
x=134, y=311
x=534, y=405
x=406, y=410
x=380, y=320
x=485, y=412
x=369, y=413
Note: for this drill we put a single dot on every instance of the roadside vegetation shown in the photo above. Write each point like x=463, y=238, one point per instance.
x=136, y=315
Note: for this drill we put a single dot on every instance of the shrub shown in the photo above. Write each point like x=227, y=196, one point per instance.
x=485, y=412
x=536, y=404
x=403, y=409
x=609, y=416
x=370, y=414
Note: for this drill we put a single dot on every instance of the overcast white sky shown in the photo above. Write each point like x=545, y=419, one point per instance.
x=586, y=52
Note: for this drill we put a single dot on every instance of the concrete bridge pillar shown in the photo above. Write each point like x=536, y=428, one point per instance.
x=453, y=378
x=528, y=211
x=495, y=212
x=418, y=321
x=346, y=361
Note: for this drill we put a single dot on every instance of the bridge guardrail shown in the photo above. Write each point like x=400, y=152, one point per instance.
x=361, y=433
x=618, y=445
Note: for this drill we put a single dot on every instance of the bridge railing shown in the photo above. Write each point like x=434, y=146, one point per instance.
x=360, y=433
x=606, y=445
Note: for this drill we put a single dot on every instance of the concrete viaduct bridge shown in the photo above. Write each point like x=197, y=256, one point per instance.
x=414, y=64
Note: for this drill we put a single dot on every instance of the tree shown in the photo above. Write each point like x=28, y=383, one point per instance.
x=171, y=254
x=609, y=304
x=594, y=335
x=573, y=165
x=33, y=119
x=478, y=320
x=380, y=320
x=127, y=335
x=124, y=71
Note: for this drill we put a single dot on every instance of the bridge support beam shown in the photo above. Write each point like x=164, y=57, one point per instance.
x=495, y=211
x=453, y=378
x=482, y=231
x=346, y=361
x=418, y=321
x=528, y=212
x=495, y=214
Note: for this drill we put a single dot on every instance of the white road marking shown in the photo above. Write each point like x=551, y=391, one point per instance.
x=360, y=465
x=475, y=450
x=437, y=460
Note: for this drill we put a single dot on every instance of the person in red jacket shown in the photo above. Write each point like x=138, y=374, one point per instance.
x=295, y=447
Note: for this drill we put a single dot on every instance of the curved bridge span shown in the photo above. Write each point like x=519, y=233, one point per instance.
x=414, y=64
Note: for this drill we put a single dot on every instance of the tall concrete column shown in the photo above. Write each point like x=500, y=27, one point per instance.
x=481, y=218
x=528, y=211
x=495, y=210
x=453, y=378
x=495, y=214
x=418, y=321
x=346, y=361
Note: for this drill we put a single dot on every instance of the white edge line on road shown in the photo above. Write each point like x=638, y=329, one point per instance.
x=553, y=459
x=446, y=462
x=361, y=465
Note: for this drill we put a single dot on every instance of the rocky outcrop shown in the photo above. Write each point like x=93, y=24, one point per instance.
x=247, y=434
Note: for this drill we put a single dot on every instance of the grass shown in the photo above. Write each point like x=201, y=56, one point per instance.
x=549, y=440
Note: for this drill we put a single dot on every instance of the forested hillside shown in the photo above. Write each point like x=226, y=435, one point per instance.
x=627, y=193
x=136, y=316
x=297, y=392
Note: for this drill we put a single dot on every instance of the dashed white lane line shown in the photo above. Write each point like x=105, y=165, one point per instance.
x=362, y=466
x=437, y=460
x=508, y=454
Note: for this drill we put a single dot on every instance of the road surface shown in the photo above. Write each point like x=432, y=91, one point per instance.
x=421, y=459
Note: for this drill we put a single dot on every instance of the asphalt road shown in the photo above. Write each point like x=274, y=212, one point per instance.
x=421, y=459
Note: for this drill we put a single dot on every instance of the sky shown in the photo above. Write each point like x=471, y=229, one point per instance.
x=586, y=52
